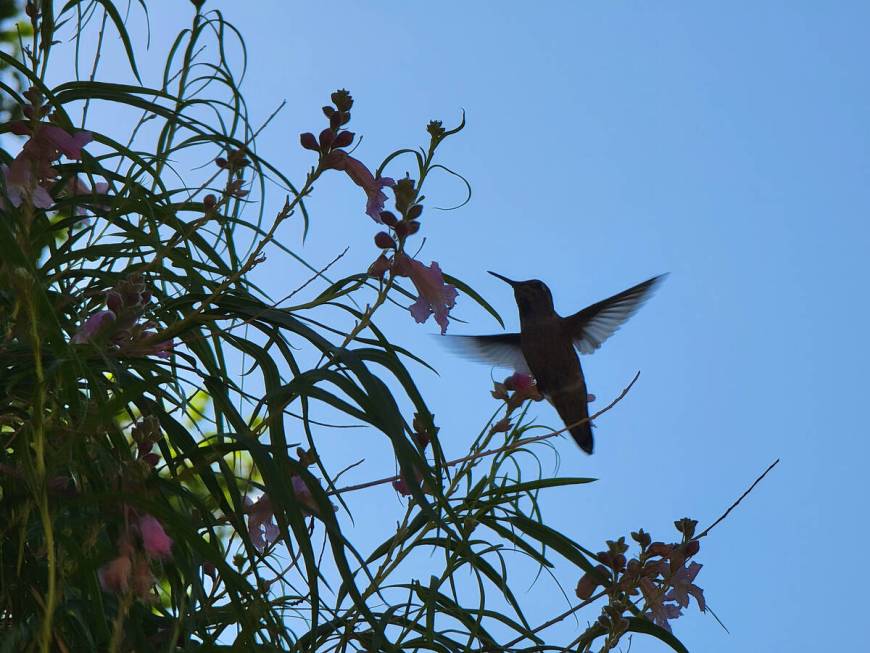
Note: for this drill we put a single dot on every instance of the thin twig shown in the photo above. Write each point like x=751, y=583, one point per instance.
x=557, y=619
x=736, y=503
x=317, y=275
x=508, y=447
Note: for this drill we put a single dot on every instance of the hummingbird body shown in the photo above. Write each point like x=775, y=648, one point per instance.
x=547, y=345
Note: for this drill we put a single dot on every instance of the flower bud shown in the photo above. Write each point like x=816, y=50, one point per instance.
x=343, y=139
x=209, y=202
x=415, y=211
x=388, y=218
x=686, y=526
x=327, y=136
x=221, y=162
x=379, y=267
x=328, y=111
x=405, y=229
x=342, y=100
x=384, y=240
x=309, y=142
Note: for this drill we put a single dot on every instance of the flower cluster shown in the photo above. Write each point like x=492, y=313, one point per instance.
x=262, y=528
x=514, y=391
x=435, y=297
x=329, y=145
x=146, y=433
x=143, y=543
x=118, y=325
x=30, y=175
x=657, y=583
x=424, y=431
x=234, y=163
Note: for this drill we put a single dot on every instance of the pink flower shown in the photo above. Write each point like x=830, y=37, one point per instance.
x=77, y=188
x=115, y=575
x=49, y=139
x=682, y=587
x=20, y=184
x=303, y=495
x=70, y=144
x=362, y=177
x=261, y=525
x=435, y=296
x=93, y=326
x=155, y=540
x=520, y=382
x=162, y=349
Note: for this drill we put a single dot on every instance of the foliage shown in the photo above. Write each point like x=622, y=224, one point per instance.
x=152, y=496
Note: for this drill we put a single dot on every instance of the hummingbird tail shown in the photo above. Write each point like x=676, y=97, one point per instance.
x=574, y=411
x=582, y=435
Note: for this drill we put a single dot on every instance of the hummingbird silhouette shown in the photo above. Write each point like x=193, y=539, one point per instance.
x=547, y=345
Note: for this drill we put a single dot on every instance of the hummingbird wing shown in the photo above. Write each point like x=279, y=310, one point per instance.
x=593, y=325
x=501, y=350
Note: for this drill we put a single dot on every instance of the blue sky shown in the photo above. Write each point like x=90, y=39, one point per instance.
x=606, y=143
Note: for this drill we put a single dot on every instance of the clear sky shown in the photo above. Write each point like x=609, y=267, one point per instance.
x=607, y=142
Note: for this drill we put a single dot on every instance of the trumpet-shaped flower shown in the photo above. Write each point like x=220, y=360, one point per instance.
x=435, y=296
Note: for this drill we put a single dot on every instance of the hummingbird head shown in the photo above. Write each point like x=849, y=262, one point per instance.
x=533, y=297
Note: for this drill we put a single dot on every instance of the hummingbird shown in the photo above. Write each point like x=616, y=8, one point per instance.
x=546, y=346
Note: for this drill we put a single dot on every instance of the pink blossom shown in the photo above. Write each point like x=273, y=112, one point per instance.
x=362, y=177
x=261, y=525
x=48, y=139
x=115, y=575
x=70, y=144
x=93, y=326
x=435, y=296
x=520, y=382
x=155, y=540
x=77, y=187
x=682, y=587
x=20, y=184
x=659, y=612
x=303, y=495
x=162, y=349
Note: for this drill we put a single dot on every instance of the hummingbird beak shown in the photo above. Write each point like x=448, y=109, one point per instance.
x=505, y=279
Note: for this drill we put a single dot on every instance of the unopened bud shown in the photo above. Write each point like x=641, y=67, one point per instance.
x=415, y=211
x=209, y=202
x=343, y=139
x=379, y=267
x=388, y=218
x=384, y=240
x=405, y=229
x=327, y=136
x=342, y=100
x=309, y=142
